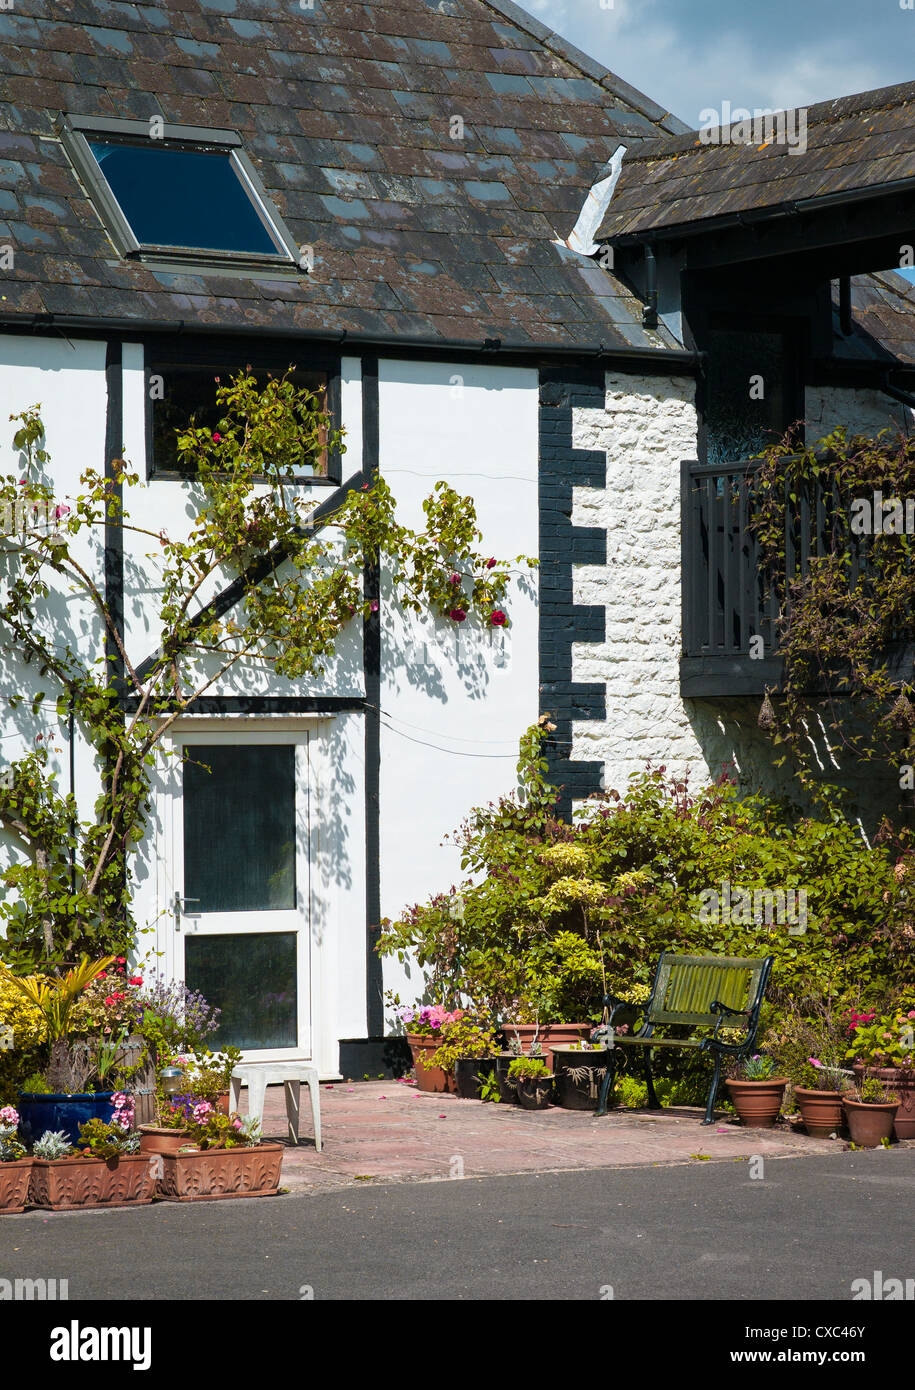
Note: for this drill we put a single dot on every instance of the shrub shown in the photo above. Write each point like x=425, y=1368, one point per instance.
x=552, y=913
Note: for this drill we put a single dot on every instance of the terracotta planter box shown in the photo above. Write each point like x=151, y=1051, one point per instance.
x=205, y=1175
x=821, y=1111
x=902, y=1081
x=75, y=1184
x=758, y=1102
x=869, y=1124
x=14, y=1185
x=428, y=1078
x=560, y=1034
x=156, y=1140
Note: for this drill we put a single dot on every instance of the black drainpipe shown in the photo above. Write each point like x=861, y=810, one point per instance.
x=650, y=311
x=845, y=319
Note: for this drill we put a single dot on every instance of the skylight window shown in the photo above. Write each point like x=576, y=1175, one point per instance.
x=177, y=192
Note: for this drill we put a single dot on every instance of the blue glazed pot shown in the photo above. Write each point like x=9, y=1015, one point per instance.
x=40, y=1112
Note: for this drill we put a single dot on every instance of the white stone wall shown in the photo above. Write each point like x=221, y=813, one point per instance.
x=860, y=410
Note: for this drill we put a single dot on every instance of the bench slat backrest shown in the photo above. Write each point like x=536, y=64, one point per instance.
x=686, y=987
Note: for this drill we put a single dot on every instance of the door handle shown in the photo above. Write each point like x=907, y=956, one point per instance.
x=179, y=907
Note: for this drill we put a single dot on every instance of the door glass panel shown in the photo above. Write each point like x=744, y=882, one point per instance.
x=251, y=977
x=239, y=828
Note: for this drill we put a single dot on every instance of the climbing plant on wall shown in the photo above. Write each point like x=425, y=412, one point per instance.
x=298, y=585
x=836, y=529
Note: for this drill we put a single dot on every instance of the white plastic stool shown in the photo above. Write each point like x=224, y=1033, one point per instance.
x=258, y=1075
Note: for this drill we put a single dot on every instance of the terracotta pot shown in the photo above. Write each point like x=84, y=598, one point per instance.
x=572, y=1094
x=156, y=1140
x=208, y=1174
x=902, y=1081
x=758, y=1102
x=69, y=1184
x=821, y=1111
x=535, y=1092
x=552, y=1033
x=428, y=1078
x=869, y=1124
x=222, y=1103
x=14, y=1185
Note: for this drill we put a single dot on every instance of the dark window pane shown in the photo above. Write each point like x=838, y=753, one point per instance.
x=188, y=396
x=739, y=427
x=239, y=828
x=253, y=980
x=175, y=197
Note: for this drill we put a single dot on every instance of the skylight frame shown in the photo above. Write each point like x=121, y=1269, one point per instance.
x=76, y=132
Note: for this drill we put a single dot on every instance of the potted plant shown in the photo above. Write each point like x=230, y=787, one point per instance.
x=820, y=1099
x=108, y=1169
x=60, y=1099
x=533, y=1082
x=883, y=1046
x=578, y=1072
x=508, y=1092
x=424, y=1023
x=223, y=1156
x=756, y=1091
x=871, y=1109
x=15, y=1164
x=468, y=1049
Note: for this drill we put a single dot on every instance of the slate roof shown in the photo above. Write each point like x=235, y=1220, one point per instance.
x=345, y=112
x=883, y=310
x=855, y=142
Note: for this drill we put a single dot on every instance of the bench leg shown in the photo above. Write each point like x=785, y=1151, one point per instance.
x=234, y=1093
x=293, y=1089
x=653, y=1102
x=713, y=1092
x=606, y=1084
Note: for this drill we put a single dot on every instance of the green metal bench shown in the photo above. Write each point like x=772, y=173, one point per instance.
x=698, y=992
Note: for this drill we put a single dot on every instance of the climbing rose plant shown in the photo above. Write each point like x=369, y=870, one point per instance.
x=299, y=584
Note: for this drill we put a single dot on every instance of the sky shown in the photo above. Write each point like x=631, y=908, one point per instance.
x=689, y=55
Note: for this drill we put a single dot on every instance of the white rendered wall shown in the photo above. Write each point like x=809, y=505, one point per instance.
x=67, y=380
x=455, y=699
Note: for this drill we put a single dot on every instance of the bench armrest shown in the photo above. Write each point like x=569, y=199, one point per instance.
x=725, y=1012
x=613, y=1004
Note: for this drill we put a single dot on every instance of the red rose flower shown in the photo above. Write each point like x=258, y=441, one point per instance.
x=490, y=564
x=217, y=438
x=455, y=579
x=135, y=980
x=457, y=615
x=498, y=618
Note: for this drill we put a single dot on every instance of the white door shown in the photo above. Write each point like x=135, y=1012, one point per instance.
x=239, y=885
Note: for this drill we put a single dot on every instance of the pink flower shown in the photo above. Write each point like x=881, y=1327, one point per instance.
x=455, y=579
x=217, y=438
x=457, y=615
x=236, y=1123
x=61, y=511
x=374, y=605
x=498, y=618
x=9, y=1115
x=202, y=1111
x=135, y=980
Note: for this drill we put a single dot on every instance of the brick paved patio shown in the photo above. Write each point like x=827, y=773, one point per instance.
x=386, y=1131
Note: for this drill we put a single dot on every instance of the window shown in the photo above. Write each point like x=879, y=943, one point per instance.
x=752, y=395
x=181, y=388
x=178, y=193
